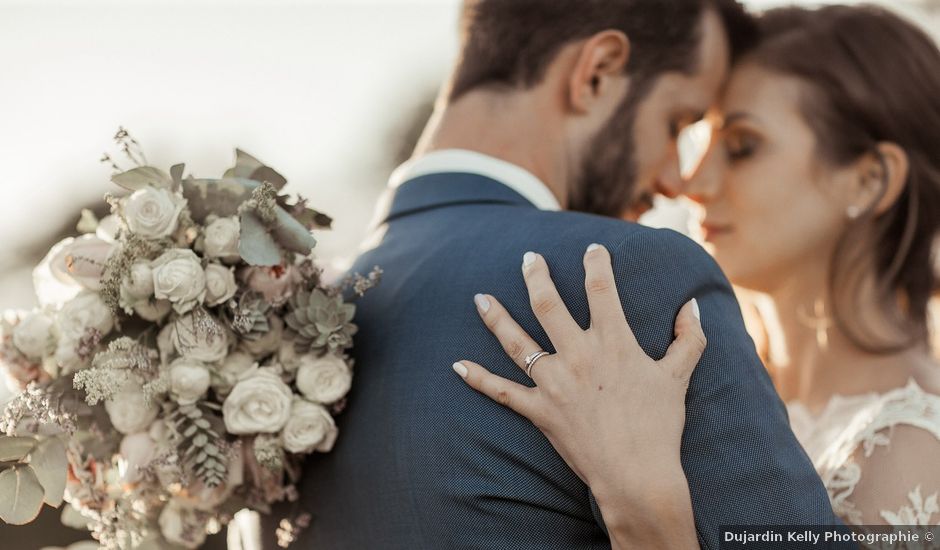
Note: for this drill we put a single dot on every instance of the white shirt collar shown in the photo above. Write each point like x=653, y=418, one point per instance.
x=515, y=177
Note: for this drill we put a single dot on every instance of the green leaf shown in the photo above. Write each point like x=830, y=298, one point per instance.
x=220, y=197
x=51, y=467
x=255, y=244
x=142, y=176
x=15, y=447
x=22, y=495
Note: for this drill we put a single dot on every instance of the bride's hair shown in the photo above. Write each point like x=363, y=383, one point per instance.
x=870, y=77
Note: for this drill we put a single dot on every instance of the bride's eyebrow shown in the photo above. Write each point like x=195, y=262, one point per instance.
x=735, y=116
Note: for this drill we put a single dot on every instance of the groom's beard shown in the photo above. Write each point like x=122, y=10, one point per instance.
x=607, y=180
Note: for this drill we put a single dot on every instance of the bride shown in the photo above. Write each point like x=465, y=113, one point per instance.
x=822, y=189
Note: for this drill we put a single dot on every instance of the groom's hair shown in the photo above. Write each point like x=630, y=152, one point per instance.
x=510, y=43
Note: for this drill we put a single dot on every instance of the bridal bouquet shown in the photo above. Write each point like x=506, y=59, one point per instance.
x=185, y=356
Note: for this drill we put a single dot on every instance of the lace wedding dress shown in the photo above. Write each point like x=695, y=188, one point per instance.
x=878, y=454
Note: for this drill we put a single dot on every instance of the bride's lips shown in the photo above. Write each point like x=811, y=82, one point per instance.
x=713, y=229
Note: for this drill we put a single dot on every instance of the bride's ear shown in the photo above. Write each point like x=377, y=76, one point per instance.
x=599, y=70
x=881, y=177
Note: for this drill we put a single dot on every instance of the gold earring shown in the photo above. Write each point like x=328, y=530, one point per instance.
x=818, y=321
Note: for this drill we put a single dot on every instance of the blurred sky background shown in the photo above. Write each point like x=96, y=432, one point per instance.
x=327, y=92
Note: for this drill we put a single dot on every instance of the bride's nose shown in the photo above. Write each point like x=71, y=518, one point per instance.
x=704, y=184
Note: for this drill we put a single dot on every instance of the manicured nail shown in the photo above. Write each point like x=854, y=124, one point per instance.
x=695, y=310
x=593, y=247
x=528, y=259
x=482, y=302
x=460, y=369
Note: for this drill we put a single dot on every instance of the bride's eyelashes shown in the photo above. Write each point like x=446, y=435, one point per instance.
x=741, y=144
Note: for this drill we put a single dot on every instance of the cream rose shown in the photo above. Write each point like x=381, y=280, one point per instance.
x=71, y=265
x=236, y=364
x=138, y=284
x=269, y=342
x=189, y=380
x=220, y=284
x=152, y=310
x=221, y=238
x=259, y=403
x=309, y=428
x=178, y=277
x=195, y=340
x=129, y=410
x=85, y=312
x=137, y=450
x=323, y=379
x=153, y=213
x=34, y=336
x=182, y=525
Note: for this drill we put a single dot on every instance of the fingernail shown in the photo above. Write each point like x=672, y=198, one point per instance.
x=460, y=369
x=592, y=247
x=482, y=302
x=695, y=310
x=528, y=259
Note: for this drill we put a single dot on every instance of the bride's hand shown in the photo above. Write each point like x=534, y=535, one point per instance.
x=614, y=414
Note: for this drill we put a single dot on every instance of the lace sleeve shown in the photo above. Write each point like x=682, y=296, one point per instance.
x=899, y=477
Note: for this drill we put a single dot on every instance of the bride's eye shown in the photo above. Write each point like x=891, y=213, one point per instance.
x=741, y=145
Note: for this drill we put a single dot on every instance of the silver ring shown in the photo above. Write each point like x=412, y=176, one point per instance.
x=531, y=359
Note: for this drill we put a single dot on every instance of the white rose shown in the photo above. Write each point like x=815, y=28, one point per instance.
x=220, y=284
x=259, y=403
x=323, y=379
x=221, y=239
x=33, y=335
x=85, y=312
x=152, y=310
x=189, y=380
x=178, y=277
x=182, y=525
x=153, y=213
x=130, y=411
x=269, y=342
x=197, y=339
x=309, y=428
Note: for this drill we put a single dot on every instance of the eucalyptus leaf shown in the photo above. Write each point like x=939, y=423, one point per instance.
x=142, y=176
x=220, y=197
x=22, y=495
x=291, y=234
x=176, y=173
x=270, y=175
x=15, y=447
x=245, y=165
x=255, y=245
x=51, y=466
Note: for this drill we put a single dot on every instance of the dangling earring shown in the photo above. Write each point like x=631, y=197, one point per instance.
x=853, y=212
x=817, y=321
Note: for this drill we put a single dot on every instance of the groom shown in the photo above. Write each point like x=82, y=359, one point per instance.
x=561, y=116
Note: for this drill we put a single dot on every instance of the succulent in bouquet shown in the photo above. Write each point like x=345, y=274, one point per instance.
x=185, y=356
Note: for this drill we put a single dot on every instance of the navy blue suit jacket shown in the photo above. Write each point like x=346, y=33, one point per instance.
x=423, y=461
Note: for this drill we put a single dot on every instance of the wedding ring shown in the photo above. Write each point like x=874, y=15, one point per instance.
x=531, y=359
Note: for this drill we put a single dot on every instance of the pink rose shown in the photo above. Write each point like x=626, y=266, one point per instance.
x=275, y=283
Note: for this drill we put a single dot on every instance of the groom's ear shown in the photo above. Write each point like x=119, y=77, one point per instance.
x=599, y=71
